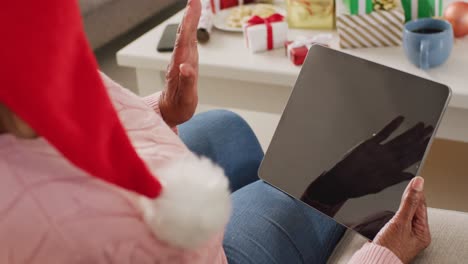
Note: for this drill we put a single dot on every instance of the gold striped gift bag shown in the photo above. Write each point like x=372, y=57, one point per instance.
x=377, y=29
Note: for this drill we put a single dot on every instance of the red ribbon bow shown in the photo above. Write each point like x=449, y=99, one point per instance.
x=223, y=4
x=256, y=20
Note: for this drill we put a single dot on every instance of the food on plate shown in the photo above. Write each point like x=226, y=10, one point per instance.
x=241, y=14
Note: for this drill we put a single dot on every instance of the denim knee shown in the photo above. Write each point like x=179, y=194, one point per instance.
x=268, y=226
x=242, y=153
x=225, y=117
x=228, y=140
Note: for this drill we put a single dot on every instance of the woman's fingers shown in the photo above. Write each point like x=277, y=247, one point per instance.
x=188, y=84
x=184, y=49
x=189, y=25
x=411, y=200
x=187, y=70
x=420, y=228
x=421, y=223
x=181, y=76
x=179, y=100
x=408, y=233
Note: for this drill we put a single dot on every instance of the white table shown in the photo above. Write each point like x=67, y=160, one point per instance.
x=232, y=77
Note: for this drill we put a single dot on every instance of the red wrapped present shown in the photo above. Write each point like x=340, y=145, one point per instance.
x=296, y=55
x=297, y=50
x=217, y=5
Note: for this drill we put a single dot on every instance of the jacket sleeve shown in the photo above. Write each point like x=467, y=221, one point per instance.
x=374, y=254
x=151, y=100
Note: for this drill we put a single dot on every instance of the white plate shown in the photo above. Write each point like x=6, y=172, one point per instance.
x=219, y=20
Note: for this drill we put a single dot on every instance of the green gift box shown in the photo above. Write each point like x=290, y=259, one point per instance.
x=363, y=7
x=422, y=8
x=359, y=7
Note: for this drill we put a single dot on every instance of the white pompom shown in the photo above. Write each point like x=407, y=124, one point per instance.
x=194, y=205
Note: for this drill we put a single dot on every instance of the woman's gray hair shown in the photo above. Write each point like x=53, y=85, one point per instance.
x=11, y=123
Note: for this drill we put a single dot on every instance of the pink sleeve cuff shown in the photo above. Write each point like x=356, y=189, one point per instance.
x=371, y=253
x=153, y=102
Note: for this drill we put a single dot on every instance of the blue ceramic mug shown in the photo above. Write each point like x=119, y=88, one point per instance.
x=428, y=42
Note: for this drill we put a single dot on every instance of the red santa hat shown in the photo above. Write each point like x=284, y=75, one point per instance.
x=50, y=79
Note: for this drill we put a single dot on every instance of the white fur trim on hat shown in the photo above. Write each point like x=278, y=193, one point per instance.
x=194, y=205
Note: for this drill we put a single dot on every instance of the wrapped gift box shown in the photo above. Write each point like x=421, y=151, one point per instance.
x=422, y=8
x=265, y=34
x=361, y=7
x=297, y=50
x=296, y=55
x=377, y=29
x=311, y=14
x=369, y=23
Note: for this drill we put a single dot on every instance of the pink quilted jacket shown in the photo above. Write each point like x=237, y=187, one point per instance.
x=51, y=212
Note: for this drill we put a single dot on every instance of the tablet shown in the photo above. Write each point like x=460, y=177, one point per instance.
x=351, y=137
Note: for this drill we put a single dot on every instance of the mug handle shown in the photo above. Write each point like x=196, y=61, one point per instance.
x=424, y=54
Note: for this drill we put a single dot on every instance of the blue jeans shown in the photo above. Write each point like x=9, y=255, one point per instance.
x=267, y=226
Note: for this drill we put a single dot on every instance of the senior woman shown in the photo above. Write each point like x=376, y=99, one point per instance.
x=63, y=139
